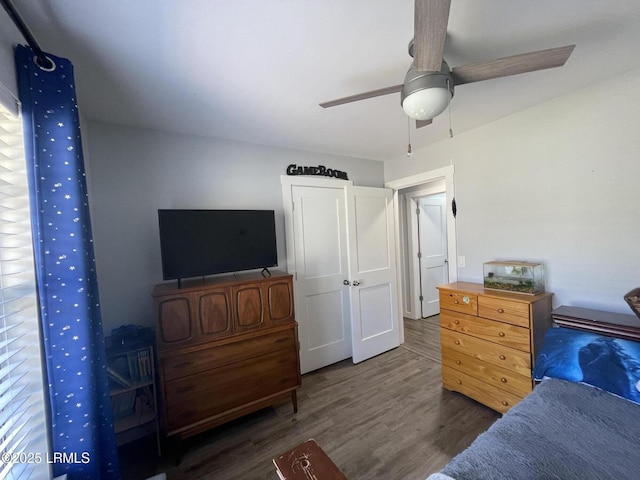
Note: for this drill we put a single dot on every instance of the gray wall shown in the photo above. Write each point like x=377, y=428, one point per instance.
x=9, y=37
x=556, y=183
x=134, y=172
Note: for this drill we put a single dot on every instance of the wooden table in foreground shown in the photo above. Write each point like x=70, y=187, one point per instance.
x=305, y=462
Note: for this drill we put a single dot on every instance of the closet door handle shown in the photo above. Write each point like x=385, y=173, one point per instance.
x=346, y=282
x=355, y=283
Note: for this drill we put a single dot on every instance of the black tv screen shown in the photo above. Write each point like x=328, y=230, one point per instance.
x=205, y=242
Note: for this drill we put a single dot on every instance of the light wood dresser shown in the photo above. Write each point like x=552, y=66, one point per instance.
x=489, y=341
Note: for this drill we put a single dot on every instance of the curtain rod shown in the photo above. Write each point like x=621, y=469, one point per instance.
x=41, y=59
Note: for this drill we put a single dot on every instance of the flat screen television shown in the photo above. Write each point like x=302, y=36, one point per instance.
x=196, y=243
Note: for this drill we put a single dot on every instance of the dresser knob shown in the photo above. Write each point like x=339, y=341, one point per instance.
x=502, y=357
x=458, y=362
x=505, y=403
x=457, y=342
x=456, y=302
x=501, y=310
x=501, y=334
x=459, y=382
x=503, y=380
x=457, y=322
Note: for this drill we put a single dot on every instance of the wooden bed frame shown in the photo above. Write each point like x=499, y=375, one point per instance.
x=611, y=324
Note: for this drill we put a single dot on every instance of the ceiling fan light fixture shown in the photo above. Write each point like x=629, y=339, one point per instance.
x=426, y=95
x=426, y=104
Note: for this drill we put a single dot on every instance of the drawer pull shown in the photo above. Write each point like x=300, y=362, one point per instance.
x=456, y=302
x=502, y=357
x=457, y=322
x=505, y=403
x=501, y=310
x=458, y=362
x=503, y=380
x=457, y=342
x=459, y=382
x=501, y=334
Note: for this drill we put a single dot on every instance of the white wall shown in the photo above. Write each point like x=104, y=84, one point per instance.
x=557, y=183
x=134, y=172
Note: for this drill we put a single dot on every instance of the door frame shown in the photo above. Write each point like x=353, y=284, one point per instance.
x=424, y=178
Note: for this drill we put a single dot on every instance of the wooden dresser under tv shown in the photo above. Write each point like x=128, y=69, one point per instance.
x=227, y=346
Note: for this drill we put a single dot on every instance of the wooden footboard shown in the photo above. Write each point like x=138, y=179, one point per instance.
x=611, y=324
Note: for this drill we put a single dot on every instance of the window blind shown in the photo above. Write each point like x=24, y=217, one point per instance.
x=23, y=435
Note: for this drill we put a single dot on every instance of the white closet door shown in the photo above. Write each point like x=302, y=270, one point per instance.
x=434, y=267
x=322, y=299
x=372, y=269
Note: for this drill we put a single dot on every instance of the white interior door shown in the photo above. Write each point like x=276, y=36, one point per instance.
x=432, y=233
x=372, y=271
x=322, y=303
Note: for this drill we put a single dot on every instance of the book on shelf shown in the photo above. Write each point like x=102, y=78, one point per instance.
x=123, y=404
x=131, y=368
x=144, y=365
x=145, y=405
x=117, y=377
x=133, y=362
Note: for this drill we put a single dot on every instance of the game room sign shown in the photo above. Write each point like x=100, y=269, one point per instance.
x=320, y=170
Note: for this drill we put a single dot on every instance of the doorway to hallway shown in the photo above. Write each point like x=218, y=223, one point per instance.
x=432, y=255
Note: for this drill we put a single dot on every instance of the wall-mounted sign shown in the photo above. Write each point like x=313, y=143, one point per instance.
x=320, y=170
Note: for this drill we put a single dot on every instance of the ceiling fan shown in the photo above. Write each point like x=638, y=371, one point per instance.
x=429, y=84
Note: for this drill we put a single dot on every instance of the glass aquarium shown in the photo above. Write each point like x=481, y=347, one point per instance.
x=514, y=276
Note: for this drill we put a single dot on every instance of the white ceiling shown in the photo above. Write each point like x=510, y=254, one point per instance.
x=255, y=70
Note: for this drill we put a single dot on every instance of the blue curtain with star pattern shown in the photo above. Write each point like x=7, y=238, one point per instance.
x=81, y=426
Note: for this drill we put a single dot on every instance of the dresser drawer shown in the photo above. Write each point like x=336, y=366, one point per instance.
x=487, y=372
x=508, y=311
x=181, y=365
x=459, y=301
x=505, y=357
x=498, y=332
x=492, y=397
x=205, y=395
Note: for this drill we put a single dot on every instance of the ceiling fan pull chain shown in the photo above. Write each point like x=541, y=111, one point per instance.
x=409, y=151
x=449, y=108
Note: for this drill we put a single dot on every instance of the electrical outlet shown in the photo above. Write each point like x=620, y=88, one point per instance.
x=461, y=261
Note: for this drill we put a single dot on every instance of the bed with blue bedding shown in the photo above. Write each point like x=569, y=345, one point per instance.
x=582, y=421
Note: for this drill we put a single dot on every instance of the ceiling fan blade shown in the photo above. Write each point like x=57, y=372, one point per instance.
x=513, y=65
x=362, y=96
x=430, y=30
x=423, y=123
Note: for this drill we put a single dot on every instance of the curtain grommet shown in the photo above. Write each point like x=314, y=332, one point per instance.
x=38, y=62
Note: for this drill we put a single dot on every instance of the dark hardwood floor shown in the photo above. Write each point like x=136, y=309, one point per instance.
x=385, y=418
